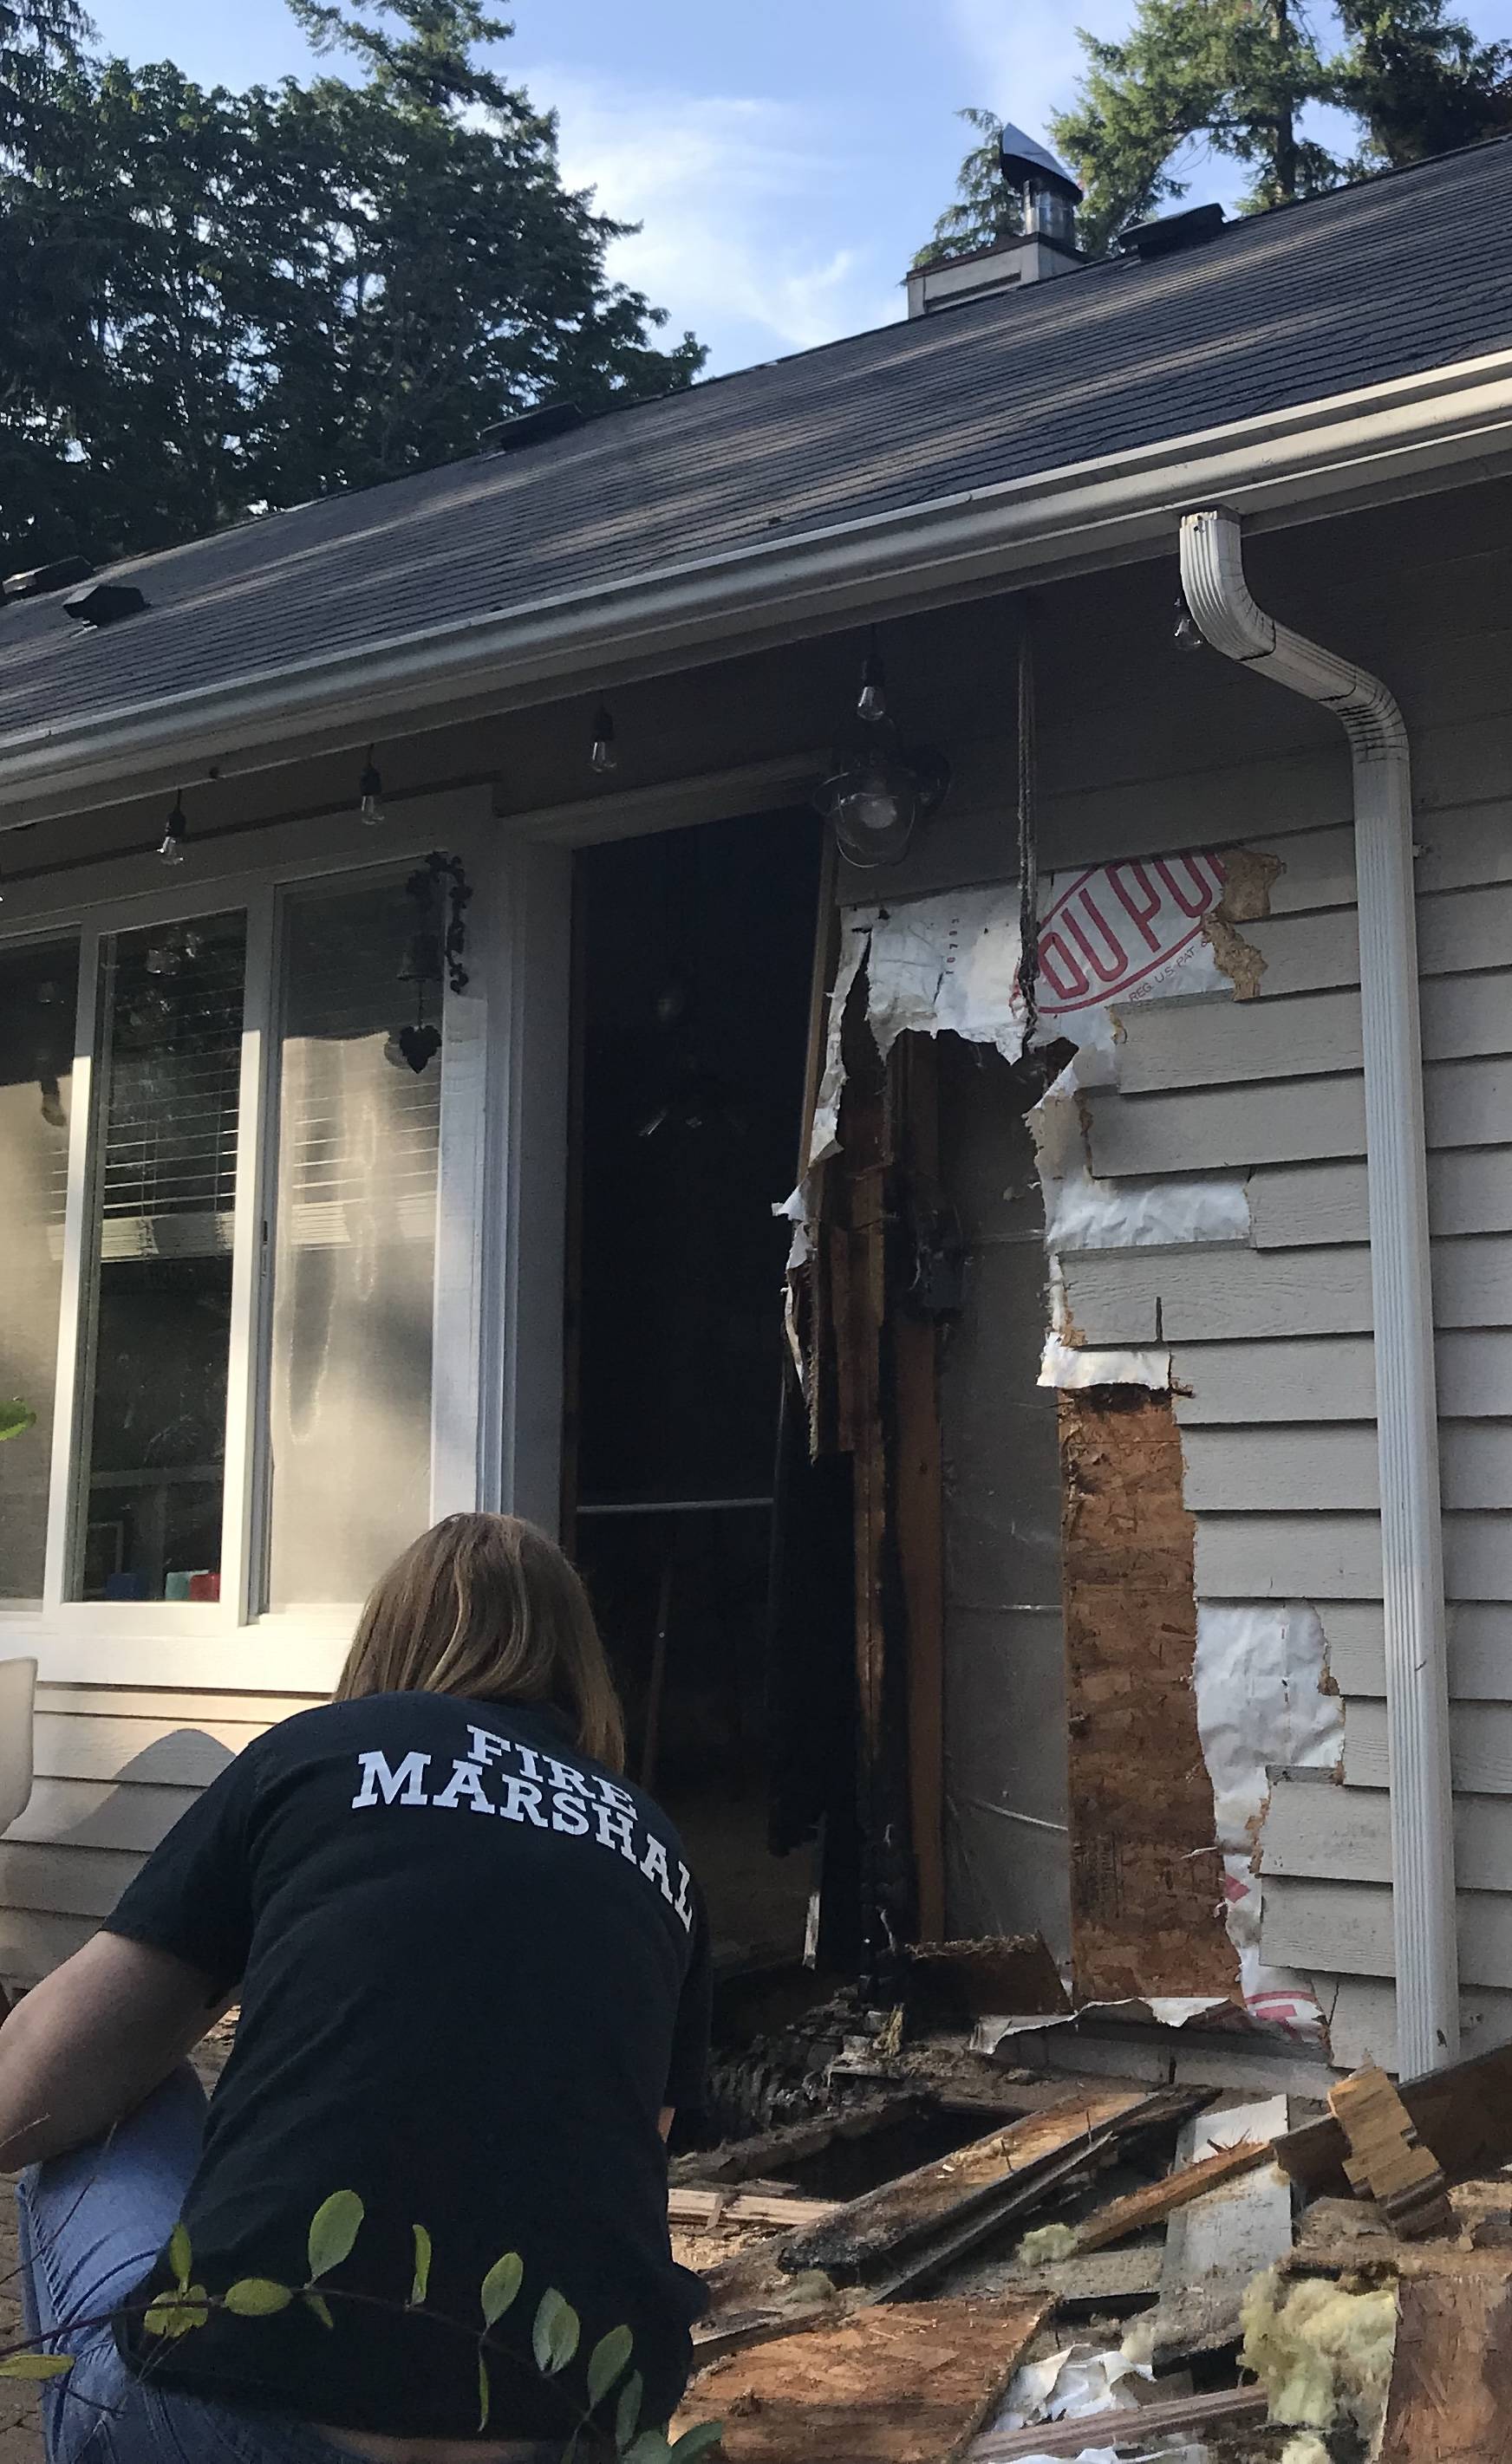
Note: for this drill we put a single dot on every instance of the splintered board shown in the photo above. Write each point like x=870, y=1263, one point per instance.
x=1147, y=1881
x=907, y=2384
x=1451, y=2398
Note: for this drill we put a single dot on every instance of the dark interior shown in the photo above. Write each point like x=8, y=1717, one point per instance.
x=694, y=957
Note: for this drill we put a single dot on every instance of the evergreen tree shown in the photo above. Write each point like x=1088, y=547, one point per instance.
x=986, y=209
x=1419, y=82
x=1233, y=74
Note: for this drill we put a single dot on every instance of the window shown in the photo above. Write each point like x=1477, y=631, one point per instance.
x=354, y=1266
x=38, y=993
x=158, y=1252
x=227, y=1195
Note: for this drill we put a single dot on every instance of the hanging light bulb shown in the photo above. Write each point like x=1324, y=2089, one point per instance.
x=369, y=793
x=1186, y=629
x=603, y=757
x=872, y=700
x=174, y=828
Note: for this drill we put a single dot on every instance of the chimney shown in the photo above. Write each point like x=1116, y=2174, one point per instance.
x=1046, y=246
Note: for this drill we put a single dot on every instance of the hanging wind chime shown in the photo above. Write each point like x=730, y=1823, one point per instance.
x=434, y=953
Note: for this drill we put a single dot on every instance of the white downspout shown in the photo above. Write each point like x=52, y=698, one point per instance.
x=1406, y=1422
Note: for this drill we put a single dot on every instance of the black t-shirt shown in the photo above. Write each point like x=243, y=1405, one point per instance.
x=474, y=1967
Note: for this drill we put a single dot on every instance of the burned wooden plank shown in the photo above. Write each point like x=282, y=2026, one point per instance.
x=1147, y=1884
x=1451, y=2393
x=712, y=2204
x=909, y=2385
x=956, y=2189
x=1157, y=2200
x=793, y=2143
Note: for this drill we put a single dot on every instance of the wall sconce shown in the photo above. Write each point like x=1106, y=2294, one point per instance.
x=874, y=800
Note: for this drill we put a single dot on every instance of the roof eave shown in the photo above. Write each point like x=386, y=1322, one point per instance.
x=1317, y=457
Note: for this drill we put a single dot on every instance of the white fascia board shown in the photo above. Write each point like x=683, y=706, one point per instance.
x=1390, y=438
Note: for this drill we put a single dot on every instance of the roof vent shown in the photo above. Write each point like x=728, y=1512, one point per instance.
x=1163, y=236
x=44, y=579
x=105, y=603
x=1046, y=245
x=532, y=426
x=1051, y=195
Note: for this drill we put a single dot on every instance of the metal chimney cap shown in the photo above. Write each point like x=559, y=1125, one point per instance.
x=1026, y=162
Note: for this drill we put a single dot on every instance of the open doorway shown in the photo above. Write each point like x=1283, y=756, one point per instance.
x=695, y=953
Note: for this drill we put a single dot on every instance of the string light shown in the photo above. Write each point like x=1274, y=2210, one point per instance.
x=872, y=700
x=603, y=757
x=369, y=793
x=174, y=830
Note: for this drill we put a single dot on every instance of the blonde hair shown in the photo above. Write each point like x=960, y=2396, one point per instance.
x=486, y=1606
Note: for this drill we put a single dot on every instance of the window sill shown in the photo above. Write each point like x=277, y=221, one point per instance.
x=190, y=1648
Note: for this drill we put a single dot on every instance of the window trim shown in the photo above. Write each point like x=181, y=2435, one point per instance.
x=227, y=1642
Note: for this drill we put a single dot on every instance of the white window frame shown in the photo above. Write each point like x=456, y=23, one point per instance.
x=484, y=1095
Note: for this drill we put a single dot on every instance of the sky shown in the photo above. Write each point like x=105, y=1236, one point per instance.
x=783, y=159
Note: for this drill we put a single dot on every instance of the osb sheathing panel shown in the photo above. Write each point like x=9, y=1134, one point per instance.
x=1146, y=1878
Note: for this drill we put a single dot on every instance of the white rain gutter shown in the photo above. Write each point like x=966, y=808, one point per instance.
x=1384, y=440
x=1396, y=1164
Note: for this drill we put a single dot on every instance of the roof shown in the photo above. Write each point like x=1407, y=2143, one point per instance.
x=1399, y=275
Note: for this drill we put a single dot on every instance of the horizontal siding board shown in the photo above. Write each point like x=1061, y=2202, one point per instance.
x=1475, y=1374
x=1347, y=1927
x=136, y=1751
x=1479, y=1745
x=1141, y=1296
x=31, y=1942
x=1277, y=1470
x=63, y=1882
x=1480, y=1651
x=1478, y=1556
x=1222, y=1042
x=1458, y=930
x=1227, y=1384
x=93, y=1814
x=1207, y=1129
x=1288, y=1557
x=205, y=1703
x=1317, y=1833
x=1307, y=953
x=1319, y=1204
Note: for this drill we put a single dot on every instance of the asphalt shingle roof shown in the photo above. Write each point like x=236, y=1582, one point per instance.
x=1402, y=273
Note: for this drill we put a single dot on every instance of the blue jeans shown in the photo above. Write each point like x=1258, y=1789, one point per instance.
x=91, y=2225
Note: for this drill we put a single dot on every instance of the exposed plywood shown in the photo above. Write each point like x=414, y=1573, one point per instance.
x=910, y=2383
x=1451, y=2394
x=1144, y=1875
x=1347, y=1927
x=1320, y=1832
x=1318, y=1558
x=1197, y=1295
x=1232, y=1384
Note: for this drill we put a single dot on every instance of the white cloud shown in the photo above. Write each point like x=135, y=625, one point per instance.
x=1027, y=59
x=733, y=195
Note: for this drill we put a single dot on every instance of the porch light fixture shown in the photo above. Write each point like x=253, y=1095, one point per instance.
x=175, y=832
x=872, y=700
x=369, y=793
x=602, y=756
x=875, y=800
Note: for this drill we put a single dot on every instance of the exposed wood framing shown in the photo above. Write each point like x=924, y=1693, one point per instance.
x=1146, y=1877
x=918, y=1487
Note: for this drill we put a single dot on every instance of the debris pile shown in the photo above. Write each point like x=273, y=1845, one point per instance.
x=1110, y=2269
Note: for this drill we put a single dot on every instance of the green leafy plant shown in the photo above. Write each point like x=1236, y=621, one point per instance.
x=556, y=2332
x=15, y=1418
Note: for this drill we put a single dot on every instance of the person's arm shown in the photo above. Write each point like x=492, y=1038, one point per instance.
x=665, y=2120
x=83, y=2048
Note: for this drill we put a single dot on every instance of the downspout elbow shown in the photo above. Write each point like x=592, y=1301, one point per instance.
x=1412, y=1529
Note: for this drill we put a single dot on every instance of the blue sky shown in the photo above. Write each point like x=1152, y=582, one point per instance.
x=785, y=159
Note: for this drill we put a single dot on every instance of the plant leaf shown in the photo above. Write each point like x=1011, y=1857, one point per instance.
x=334, y=2227
x=15, y=1418
x=181, y=2257
x=606, y=2361
x=697, y=2441
x=322, y=2308
x=627, y=2412
x=501, y=2285
x=482, y=2392
x=554, y=2337
x=422, y=2266
x=35, y=2365
x=176, y=2314
x=649, y=2447
x=258, y=2296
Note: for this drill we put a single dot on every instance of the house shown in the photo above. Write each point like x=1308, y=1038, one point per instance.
x=424, y=971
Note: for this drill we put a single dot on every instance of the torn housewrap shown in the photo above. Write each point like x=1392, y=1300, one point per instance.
x=1264, y=1702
